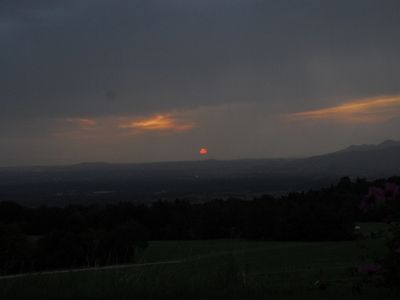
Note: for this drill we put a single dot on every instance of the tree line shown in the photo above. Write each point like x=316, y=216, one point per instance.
x=47, y=238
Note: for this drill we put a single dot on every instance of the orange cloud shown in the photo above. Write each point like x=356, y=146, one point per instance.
x=369, y=110
x=82, y=122
x=76, y=128
x=160, y=122
x=118, y=127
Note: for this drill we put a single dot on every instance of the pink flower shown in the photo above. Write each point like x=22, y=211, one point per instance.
x=392, y=189
x=364, y=205
x=376, y=194
x=370, y=268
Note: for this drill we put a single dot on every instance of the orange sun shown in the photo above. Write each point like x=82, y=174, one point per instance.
x=203, y=151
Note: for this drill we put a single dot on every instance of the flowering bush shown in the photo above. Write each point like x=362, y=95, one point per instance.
x=386, y=198
x=379, y=197
x=392, y=259
x=370, y=268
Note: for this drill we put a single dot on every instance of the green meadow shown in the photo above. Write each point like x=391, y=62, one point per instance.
x=223, y=269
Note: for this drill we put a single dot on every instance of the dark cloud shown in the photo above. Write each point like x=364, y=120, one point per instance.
x=95, y=58
x=161, y=54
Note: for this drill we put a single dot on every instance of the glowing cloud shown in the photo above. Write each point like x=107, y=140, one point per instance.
x=162, y=123
x=371, y=110
x=82, y=122
x=120, y=127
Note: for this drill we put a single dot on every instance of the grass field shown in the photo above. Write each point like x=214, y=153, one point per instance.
x=221, y=269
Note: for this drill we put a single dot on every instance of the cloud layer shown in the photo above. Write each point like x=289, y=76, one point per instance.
x=134, y=80
x=373, y=110
x=158, y=123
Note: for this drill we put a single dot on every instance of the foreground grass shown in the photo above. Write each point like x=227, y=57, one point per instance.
x=222, y=269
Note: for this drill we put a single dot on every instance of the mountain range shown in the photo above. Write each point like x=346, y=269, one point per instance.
x=196, y=179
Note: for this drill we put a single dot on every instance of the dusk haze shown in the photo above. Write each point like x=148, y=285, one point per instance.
x=132, y=81
x=200, y=149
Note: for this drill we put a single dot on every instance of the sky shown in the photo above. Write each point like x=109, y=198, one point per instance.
x=157, y=80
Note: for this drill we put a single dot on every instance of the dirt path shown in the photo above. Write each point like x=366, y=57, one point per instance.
x=170, y=262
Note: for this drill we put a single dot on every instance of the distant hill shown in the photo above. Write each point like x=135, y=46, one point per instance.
x=195, y=179
x=370, y=161
x=383, y=145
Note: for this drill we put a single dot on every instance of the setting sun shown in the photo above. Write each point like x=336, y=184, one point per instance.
x=203, y=151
